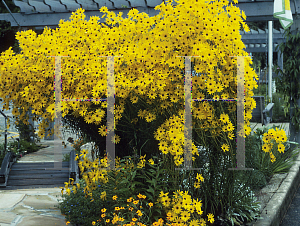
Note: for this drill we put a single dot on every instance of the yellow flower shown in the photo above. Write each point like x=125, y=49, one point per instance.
x=93, y=223
x=68, y=222
x=103, y=195
x=140, y=196
x=194, y=223
x=68, y=191
x=185, y=216
x=103, y=210
x=150, y=204
x=139, y=213
x=199, y=177
x=266, y=148
x=117, y=208
x=134, y=219
x=225, y=147
x=62, y=190
x=114, y=197
x=135, y=202
x=281, y=148
x=151, y=161
x=103, y=215
x=210, y=218
x=176, y=209
x=107, y=220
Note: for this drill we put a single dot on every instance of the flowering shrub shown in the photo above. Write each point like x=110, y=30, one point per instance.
x=127, y=190
x=274, y=139
x=150, y=72
x=211, y=31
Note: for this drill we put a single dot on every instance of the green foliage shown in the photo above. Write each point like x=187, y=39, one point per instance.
x=7, y=33
x=25, y=131
x=66, y=158
x=225, y=194
x=278, y=109
x=261, y=90
x=280, y=114
x=126, y=183
x=79, y=209
x=25, y=147
x=288, y=78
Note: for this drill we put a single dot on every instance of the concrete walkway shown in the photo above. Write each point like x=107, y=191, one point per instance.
x=33, y=207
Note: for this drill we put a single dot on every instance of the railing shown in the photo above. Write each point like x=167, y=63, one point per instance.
x=5, y=168
x=259, y=114
x=73, y=167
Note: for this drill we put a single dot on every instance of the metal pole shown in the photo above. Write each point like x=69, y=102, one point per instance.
x=270, y=51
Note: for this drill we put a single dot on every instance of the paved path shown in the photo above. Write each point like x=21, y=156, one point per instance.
x=33, y=207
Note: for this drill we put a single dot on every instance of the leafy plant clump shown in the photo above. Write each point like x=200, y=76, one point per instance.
x=275, y=160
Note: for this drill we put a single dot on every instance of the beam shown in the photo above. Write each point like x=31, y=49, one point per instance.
x=255, y=11
x=52, y=19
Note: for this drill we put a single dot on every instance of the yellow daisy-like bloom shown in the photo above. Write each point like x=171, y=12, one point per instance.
x=151, y=161
x=266, y=148
x=210, y=218
x=94, y=222
x=134, y=219
x=150, y=204
x=117, y=208
x=176, y=209
x=139, y=213
x=114, y=197
x=224, y=118
x=185, y=216
x=266, y=138
x=194, y=223
x=103, y=215
x=199, y=177
x=140, y=196
x=281, y=148
x=102, y=131
x=225, y=147
x=230, y=127
x=197, y=185
x=103, y=210
x=135, y=202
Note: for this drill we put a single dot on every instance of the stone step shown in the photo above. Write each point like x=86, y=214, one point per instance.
x=31, y=166
x=43, y=173
x=39, y=172
x=28, y=182
x=38, y=176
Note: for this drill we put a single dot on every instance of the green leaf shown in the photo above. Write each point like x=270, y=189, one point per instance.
x=151, y=190
x=133, y=174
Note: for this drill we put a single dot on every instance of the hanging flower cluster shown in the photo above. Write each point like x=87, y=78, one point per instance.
x=150, y=67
